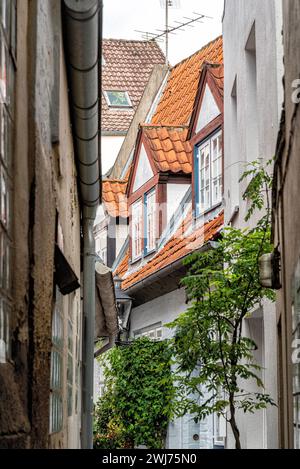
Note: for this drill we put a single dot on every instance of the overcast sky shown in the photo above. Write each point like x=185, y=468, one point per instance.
x=123, y=17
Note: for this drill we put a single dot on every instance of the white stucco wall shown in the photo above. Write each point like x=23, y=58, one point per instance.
x=110, y=147
x=252, y=114
x=175, y=194
x=239, y=148
x=165, y=309
x=121, y=236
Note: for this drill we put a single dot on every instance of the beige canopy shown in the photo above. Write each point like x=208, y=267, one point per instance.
x=106, y=320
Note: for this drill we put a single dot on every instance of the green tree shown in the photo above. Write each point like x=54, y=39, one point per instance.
x=214, y=357
x=138, y=403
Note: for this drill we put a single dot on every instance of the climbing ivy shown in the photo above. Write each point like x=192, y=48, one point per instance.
x=138, y=402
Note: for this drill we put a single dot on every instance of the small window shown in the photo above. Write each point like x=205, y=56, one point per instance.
x=150, y=221
x=209, y=173
x=117, y=98
x=154, y=332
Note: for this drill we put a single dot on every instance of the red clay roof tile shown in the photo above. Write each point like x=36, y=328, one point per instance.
x=127, y=67
x=177, y=101
x=114, y=197
x=179, y=246
x=169, y=149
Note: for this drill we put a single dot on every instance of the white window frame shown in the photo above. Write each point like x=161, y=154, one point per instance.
x=125, y=106
x=137, y=229
x=150, y=221
x=210, y=170
x=152, y=332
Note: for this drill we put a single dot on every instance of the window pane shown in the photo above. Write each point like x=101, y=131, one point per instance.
x=118, y=98
x=137, y=229
x=151, y=231
x=3, y=71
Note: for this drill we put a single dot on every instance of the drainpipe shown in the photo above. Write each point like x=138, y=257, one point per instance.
x=83, y=33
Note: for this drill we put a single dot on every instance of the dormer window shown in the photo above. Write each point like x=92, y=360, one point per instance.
x=118, y=99
x=209, y=171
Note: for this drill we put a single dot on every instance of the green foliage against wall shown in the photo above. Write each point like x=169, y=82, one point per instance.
x=138, y=402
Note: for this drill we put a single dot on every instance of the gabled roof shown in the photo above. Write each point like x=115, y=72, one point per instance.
x=177, y=101
x=213, y=75
x=127, y=66
x=169, y=149
x=179, y=246
x=114, y=197
x=217, y=73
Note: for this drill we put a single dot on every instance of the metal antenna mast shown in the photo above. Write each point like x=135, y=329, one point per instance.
x=164, y=33
x=167, y=32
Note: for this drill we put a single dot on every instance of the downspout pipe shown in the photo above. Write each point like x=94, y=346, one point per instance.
x=83, y=34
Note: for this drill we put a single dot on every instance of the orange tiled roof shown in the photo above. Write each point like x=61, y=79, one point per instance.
x=176, y=248
x=177, y=101
x=114, y=197
x=169, y=148
x=123, y=266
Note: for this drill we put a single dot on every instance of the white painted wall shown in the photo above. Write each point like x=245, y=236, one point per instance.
x=175, y=194
x=251, y=126
x=110, y=147
x=144, y=171
x=165, y=309
x=209, y=110
x=121, y=236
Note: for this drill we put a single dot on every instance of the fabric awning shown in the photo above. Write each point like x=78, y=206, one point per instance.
x=106, y=320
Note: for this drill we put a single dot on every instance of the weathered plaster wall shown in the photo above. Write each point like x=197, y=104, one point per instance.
x=14, y=422
x=44, y=186
x=55, y=192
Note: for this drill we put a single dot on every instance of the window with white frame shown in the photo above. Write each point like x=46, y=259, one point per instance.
x=137, y=229
x=154, y=332
x=7, y=117
x=150, y=203
x=209, y=169
x=56, y=375
x=117, y=98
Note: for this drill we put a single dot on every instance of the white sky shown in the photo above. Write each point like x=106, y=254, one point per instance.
x=122, y=17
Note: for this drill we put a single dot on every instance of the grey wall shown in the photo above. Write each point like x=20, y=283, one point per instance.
x=252, y=115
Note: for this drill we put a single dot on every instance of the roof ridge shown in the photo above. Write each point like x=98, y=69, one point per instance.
x=149, y=41
x=197, y=52
x=162, y=126
x=115, y=180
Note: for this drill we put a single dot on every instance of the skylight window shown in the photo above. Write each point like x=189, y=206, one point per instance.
x=117, y=98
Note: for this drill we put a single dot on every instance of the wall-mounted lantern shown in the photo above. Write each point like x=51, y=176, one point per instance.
x=269, y=270
x=124, y=305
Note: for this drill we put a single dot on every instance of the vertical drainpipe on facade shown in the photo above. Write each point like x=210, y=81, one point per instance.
x=83, y=40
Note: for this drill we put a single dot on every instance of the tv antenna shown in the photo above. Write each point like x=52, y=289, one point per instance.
x=179, y=25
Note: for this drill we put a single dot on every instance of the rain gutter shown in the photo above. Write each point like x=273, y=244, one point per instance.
x=83, y=34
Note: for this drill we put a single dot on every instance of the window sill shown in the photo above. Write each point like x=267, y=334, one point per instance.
x=207, y=211
x=136, y=259
x=148, y=253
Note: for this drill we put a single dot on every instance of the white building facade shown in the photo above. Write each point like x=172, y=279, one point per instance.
x=253, y=97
